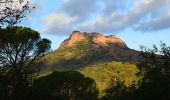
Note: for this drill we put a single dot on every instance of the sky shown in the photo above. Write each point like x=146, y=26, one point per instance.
x=137, y=22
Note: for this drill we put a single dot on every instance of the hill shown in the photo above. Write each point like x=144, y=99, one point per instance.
x=85, y=48
x=95, y=55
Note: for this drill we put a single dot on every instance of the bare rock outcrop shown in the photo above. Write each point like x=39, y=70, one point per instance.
x=96, y=38
x=103, y=46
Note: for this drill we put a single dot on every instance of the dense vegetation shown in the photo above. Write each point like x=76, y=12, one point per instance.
x=62, y=58
x=23, y=54
x=117, y=80
x=105, y=72
x=21, y=50
x=96, y=65
x=156, y=71
x=95, y=76
x=75, y=57
x=69, y=85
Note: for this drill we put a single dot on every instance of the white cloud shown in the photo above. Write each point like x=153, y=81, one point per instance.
x=79, y=8
x=149, y=11
x=155, y=24
x=104, y=24
x=58, y=23
x=109, y=16
x=73, y=12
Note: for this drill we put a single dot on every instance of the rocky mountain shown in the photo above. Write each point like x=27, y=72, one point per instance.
x=83, y=48
x=110, y=46
x=96, y=38
x=94, y=55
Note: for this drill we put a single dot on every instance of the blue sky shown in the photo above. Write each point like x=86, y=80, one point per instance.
x=137, y=22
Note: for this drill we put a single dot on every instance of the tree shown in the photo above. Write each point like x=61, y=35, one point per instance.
x=12, y=15
x=21, y=50
x=118, y=91
x=155, y=67
x=69, y=85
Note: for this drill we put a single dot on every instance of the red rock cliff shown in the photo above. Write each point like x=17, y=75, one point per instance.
x=96, y=38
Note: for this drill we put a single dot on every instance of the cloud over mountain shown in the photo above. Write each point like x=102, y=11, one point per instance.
x=58, y=23
x=109, y=16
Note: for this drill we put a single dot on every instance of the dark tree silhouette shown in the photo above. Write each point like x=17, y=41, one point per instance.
x=70, y=85
x=10, y=16
x=118, y=91
x=155, y=67
x=20, y=53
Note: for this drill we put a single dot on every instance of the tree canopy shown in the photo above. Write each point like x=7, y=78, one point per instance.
x=20, y=52
x=69, y=85
x=155, y=67
x=12, y=15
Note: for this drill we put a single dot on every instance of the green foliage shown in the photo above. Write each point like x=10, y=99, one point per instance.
x=70, y=85
x=104, y=72
x=20, y=53
x=99, y=69
x=75, y=57
x=43, y=46
x=66, y=58
x=11, y=16
x=118, y=91
x=155, y=67
x=96, y=65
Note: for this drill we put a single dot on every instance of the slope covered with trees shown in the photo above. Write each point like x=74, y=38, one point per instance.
x=106, y=72
x=92, y=61
x=104, y=67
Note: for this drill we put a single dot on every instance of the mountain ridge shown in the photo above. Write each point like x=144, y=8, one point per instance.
x=96, y=38
x=110, y=47
x=94, y=55
x=82, y=49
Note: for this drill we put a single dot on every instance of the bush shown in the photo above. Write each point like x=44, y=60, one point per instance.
x=70, y=85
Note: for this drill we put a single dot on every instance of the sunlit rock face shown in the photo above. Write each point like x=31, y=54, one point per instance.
x=96, y=38
x=76, y=36
x=110, y=47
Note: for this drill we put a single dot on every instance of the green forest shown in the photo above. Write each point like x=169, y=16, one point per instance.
x=30, y=70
